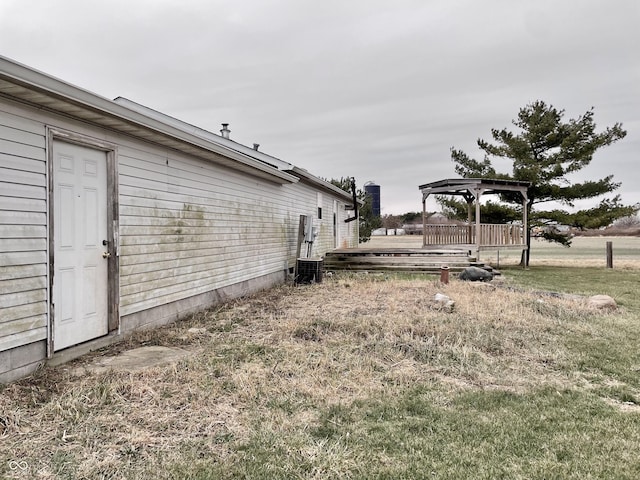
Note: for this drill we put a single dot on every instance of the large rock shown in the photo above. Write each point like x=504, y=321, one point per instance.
x=602, y=302
x=475, y=274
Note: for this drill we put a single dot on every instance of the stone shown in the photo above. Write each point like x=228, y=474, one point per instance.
x=444, y=302
x=441, y=298
x=475, y=274
x=198, y=331
x=602, y=302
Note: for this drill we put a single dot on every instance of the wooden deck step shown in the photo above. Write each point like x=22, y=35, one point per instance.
x=375, y=260
x=402, y=252
x=396, y=268
x=407, y=260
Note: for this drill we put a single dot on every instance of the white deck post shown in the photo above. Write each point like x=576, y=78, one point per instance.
x=477, y=192
x=525, y=219
x=424, y=220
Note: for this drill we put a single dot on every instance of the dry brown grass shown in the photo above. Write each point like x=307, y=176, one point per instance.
x=273, y=360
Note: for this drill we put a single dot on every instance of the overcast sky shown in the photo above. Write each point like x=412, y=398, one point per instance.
x=379, y=90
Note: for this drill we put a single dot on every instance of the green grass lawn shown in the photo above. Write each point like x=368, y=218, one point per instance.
x=621, y=284
x=584, y=251
x=588, y=427
x=362, y=376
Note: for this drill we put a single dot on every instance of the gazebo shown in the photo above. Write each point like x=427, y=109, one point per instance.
x=474, y=235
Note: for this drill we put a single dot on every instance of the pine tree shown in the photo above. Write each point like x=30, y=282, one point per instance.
x=546, y=151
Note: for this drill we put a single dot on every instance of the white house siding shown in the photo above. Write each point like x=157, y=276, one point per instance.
x=346, y=235
x=326, y=240
x=187, y=227
x=23, y=242
x=348, y=232
x=306, y=203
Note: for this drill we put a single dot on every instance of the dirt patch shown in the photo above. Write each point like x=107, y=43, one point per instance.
x=626, y=407
x=134, y=360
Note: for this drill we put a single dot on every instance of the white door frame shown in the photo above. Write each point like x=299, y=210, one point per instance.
x=113, y=265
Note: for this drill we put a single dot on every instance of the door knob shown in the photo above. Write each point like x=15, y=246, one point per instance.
x=106, y=254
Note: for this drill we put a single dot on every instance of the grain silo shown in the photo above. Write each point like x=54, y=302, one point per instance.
x=371, y=188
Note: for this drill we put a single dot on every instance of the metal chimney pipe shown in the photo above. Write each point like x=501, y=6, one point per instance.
x=225, y=131
x=256, y=146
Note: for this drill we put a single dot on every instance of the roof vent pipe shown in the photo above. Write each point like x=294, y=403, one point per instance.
x=256, y=146
x=225, y=131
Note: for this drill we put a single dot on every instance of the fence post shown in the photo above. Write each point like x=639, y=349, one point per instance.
x=609, y=254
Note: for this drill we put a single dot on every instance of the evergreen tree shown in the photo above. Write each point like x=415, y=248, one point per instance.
x=546, y=151
x=490, y=212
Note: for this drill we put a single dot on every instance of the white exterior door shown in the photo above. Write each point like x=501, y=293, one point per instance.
x=80, y=278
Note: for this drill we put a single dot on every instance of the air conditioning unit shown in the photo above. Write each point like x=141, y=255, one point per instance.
x=309, y=270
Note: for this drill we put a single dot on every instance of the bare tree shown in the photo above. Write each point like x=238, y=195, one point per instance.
x=627, y=222
x=391, y=222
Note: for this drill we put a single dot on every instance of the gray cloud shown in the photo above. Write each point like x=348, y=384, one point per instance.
x=375, y=89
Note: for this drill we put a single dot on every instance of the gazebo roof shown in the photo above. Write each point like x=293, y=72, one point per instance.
x=465, y=186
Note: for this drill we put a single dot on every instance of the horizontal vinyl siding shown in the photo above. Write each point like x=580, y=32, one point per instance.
x=348, y=231
x=186, y=226
x=23, y=231
x=307, y=201
x=189, y=227
x=325, y=239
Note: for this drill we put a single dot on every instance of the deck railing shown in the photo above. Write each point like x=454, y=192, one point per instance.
x=491, y=235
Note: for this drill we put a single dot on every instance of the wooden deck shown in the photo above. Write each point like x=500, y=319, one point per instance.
x=409, y=260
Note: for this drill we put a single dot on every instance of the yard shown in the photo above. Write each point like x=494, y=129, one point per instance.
x=362, y=376
x=585, y=251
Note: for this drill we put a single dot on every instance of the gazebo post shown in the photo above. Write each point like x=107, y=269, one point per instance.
x=525, y=224
x=469, y=200
x=477, y=193
x=424, y=220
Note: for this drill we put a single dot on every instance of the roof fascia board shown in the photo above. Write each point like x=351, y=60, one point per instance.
x=454, y=183
x=207, y=135
x=39, y=81
x=463, y=189
x=474, y=186
x=449, y=191
x=322, y=184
